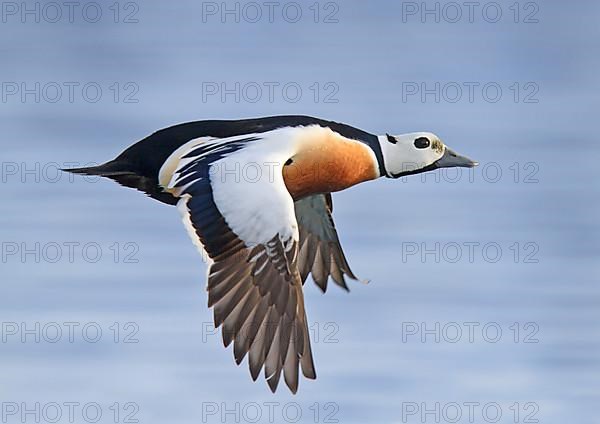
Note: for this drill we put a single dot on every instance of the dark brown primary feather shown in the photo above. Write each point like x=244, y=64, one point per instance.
x=320, y=252
x=257, y=298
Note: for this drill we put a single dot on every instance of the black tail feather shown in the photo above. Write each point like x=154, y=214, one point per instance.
x=105, y=170
x=121, y=173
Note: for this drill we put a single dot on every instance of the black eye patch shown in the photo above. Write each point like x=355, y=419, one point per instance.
x=422, y=143
x=391, y=139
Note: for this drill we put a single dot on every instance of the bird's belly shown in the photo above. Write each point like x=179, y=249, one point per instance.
x=329, y=165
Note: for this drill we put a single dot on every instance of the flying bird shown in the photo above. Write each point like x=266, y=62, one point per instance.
x=255, y=196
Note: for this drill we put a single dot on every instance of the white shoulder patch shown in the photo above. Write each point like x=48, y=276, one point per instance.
x=165, y=174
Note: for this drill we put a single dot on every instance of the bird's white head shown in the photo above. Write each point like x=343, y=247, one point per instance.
x=413, y=153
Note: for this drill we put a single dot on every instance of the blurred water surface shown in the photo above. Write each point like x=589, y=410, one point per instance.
x=541, y=211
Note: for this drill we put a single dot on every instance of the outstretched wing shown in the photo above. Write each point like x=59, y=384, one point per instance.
x=320, y=252
x=248, y=228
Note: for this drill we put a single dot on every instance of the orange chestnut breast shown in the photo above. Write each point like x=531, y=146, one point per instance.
x=329, y=164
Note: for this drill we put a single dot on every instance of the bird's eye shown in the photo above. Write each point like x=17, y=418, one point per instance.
x=422, y=143
x=391, y=139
